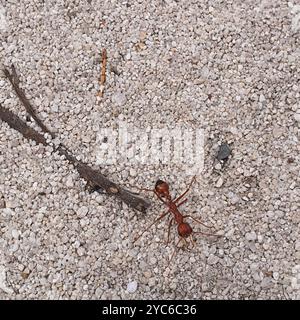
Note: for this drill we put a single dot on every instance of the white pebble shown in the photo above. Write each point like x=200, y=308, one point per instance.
x=250, y=236
x=15, y=233
x=12, y=204
x=276, y=275
x=132, y=286
x=7, y=212
x=297, y=116
x=54, y=108
x=234, y=199
x=219, y=182
x=48, y=169
x=256, y=276
x=218, y=166
x=82, y=211
x=80, y=251
x=14, y=247
x=212, y=259
x=296, y=269
x=153, y=260
x=69, y=182
x=260, y=238
x=262, y=98
x=294, y=283
x=119, y=98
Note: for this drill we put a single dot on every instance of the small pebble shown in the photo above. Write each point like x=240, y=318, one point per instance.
x=234, y=199
x=14, y=247
x=80, y=251
x=69, y=182
x=153, y=260
x=218, y=166
x=267, y=283
x=250, y=236
x=276, y=276
x=224, y=152
x=132, y=287
x=119, y=98
x=82, y=211
x=212, y=259
x=15, y=234
x=297, y=116
x=219, y=182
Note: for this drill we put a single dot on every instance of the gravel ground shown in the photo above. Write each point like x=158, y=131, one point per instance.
x=229, y=67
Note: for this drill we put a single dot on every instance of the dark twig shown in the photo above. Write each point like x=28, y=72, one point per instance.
x=15, y=76
x=93, y=177
x=14, y=80
x=16, y=123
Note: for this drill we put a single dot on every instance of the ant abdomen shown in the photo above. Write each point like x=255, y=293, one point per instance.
x=184, y=230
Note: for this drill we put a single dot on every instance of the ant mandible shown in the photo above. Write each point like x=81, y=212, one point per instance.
x=184, y=229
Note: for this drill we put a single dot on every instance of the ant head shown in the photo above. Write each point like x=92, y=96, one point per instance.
x=162, y=188
x=184, y=229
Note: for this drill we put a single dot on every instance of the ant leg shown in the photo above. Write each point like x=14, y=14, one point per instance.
x=137, y=190
x=170, y=224
x=193, y=241
x=175, y=250
x=155, y=221
x=186, y=191
x=143, y=189
x=207, y=234
x=198, y=221
x=182, y=202
x=187, y=244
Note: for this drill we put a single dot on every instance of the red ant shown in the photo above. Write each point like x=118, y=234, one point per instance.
x=184, y=229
